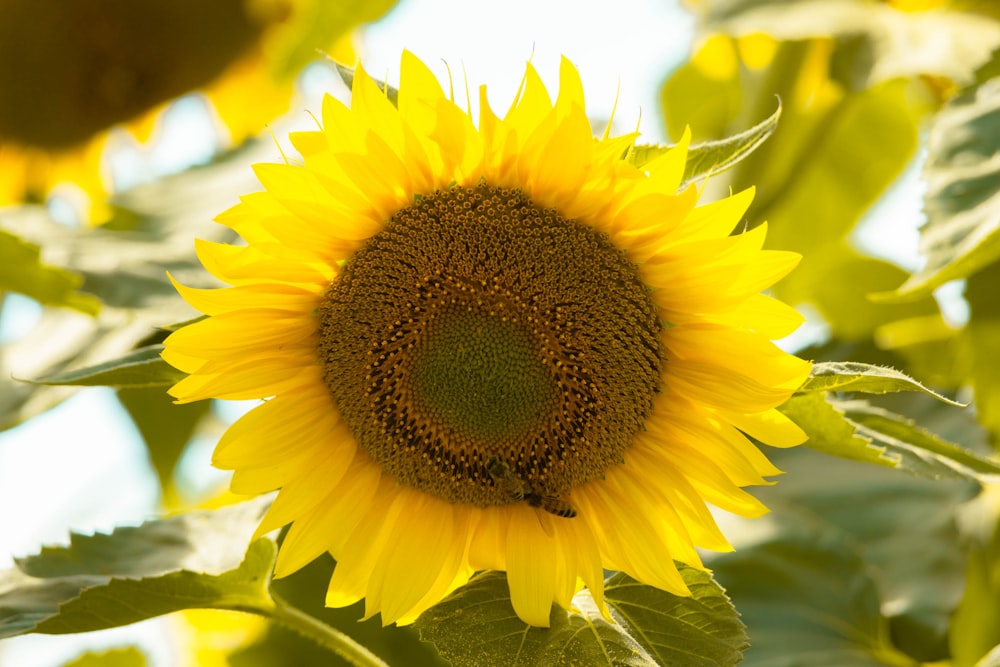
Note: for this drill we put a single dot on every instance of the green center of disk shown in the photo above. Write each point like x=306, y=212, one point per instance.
x=482, y=377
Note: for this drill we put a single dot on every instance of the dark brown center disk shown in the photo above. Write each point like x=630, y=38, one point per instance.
x=487, y=351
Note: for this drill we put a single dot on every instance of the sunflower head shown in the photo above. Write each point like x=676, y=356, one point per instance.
x=130, y=62
x=489, y=343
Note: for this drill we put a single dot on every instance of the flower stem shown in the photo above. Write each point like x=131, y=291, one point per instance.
x=323, y=634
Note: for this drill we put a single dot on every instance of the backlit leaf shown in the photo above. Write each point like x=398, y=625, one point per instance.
x=962, y=234
x=942, y=42
x=346, y=74
x=476, y=626
x=836, y=151
x=976, y=625
x=806, y=596
x=901, y=435
x=125, y=601
x=859, y=431
x=830, y=432
x=713, y=157
x=318, y=25
x=884, y=514
x=980, y=345
x=137, y=369
x=849, y=376
x=195, y=560
x=21, y=270
x=124, y=263
x=166, y=428
x=117, y=657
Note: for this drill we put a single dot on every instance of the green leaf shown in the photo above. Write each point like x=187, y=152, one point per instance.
x=899, y=434
x=21, y=270
x=883, y=514
x=809, y=187
x=962, y=234
x=806, y=595
x=713, y=157
x=928, y=348
x=138, y=369
x=848, y=376
x=282, y=647
x=859, y=431
x=976, y=625
x=129, y=656
x=195, y=560
x=806, y=598
x=830, y=432
x=166, y=428
x=476, y=626
x=841, y=284
x=673, y=628
x=125, y=264
x=980, y=345
x=318, y=26
x=125, y=601
x=347, y=76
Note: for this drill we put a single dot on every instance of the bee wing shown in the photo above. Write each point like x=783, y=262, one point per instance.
x=545, y=521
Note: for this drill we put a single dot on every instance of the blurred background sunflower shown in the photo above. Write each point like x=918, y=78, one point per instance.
x=89, y=75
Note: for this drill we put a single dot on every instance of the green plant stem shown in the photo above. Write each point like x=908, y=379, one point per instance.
x=323, y=634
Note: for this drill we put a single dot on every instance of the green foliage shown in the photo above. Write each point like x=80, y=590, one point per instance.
x=196, y=560
x=806, y=599
x=319, y=27
x=283, y=647
x=140, y=368
x=476, y=626
x=713, y=157
x=830, y=432
x=896, y=42
x=855, y=429
x=125, y=265
x=118, y=657
x=850, y=376
x=858, y=564
x=346, y=75
x=834, y=579
x=980, y=344
x=124, y=601
x=165, y=427
x=21, y=270
x=881, y=514
x=975, y=629
x=834, y=153
x=962, y=234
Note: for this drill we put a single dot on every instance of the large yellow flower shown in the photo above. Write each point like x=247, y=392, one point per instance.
x=494, y=347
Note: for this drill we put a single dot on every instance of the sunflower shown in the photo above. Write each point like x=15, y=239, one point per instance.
x=134, y=59
x=493, y=345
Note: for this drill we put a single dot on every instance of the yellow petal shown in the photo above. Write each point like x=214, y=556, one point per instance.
x=531, y=567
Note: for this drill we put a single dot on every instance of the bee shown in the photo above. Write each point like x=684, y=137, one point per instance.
x=551, y=504
x=513, y=486
x=518, y=489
